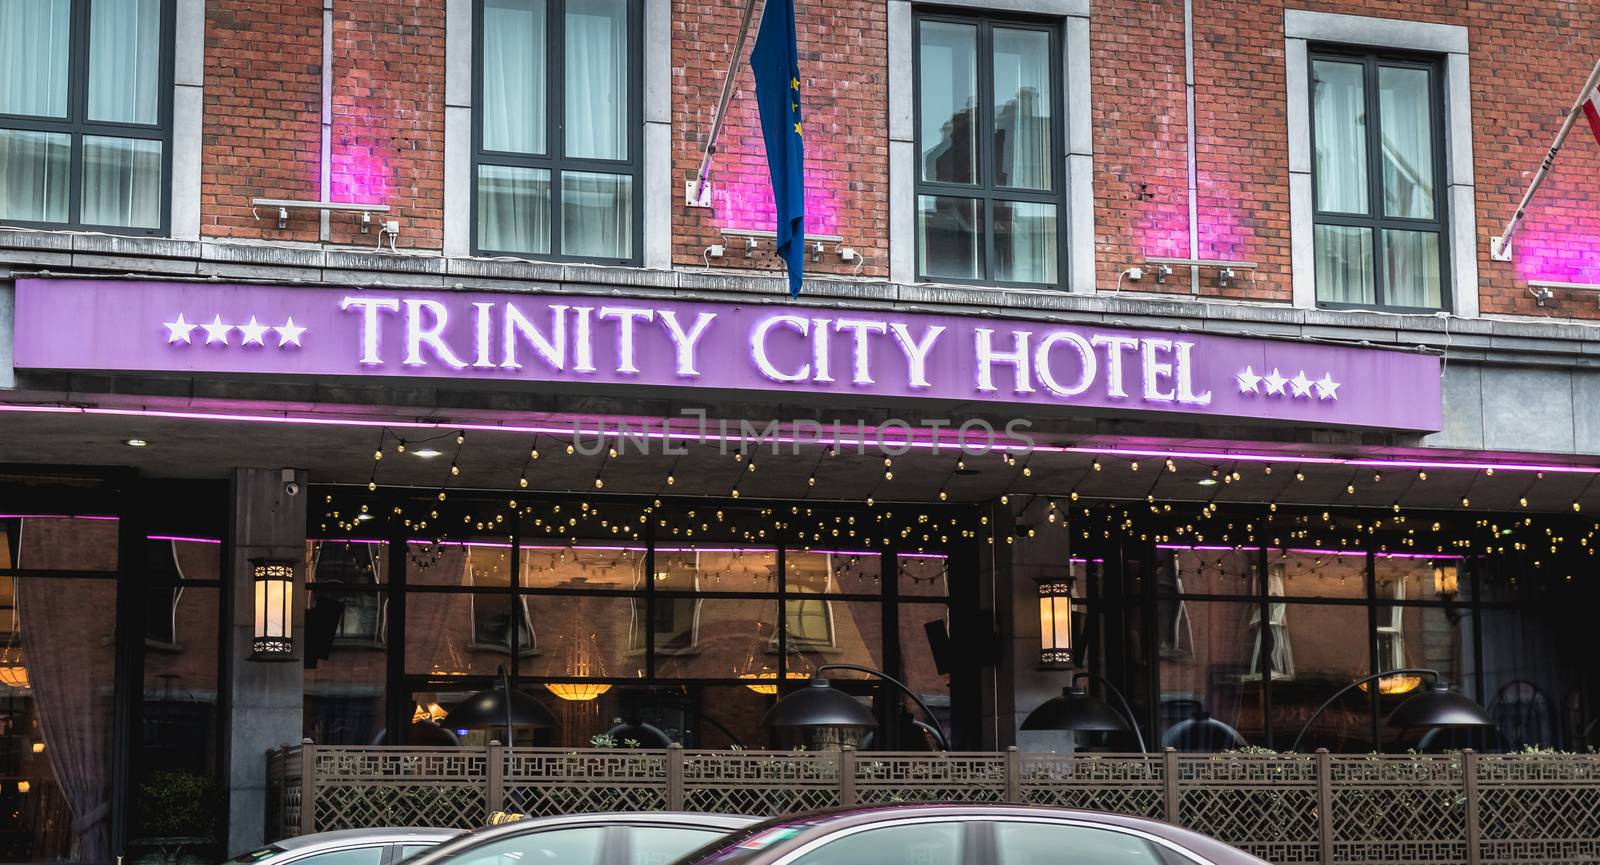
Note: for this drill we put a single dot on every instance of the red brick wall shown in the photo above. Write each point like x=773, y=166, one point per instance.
x=263, y=96
x=388, y=116
x=262, y=137
x=1518, y=97
x=844, y=91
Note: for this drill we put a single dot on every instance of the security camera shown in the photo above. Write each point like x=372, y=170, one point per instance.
x=291, y=489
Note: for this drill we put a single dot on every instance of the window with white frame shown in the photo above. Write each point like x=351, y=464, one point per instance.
x=86, y=114
x=988, y=173
x=556, y=130
x=1377, y=180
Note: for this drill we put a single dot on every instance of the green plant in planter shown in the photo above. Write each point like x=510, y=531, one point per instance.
x=176, y=804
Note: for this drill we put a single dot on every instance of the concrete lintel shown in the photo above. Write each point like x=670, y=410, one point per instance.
x=1067, y=8
x=1379, y=32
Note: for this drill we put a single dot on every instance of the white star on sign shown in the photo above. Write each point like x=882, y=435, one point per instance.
x=1275, y=382
x=289, y=333
x=1249, y=382
x=253, y=332
x=216, y=331
x=1327, y=388
x=179, y=331
x=1301, y=384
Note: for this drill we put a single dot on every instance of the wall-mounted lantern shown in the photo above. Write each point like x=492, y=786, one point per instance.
x=274, y=606
x=1055, y=624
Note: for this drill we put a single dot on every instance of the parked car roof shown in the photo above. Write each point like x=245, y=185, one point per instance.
x=305, y=844
x=742, y=847
x=684, y=819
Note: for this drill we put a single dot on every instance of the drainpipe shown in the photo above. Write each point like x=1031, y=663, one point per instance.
x=1188, y=101
x=325, y=187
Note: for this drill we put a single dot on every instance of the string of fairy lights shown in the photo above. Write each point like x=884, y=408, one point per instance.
x=429, y=518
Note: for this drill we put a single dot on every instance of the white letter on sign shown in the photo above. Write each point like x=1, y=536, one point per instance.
x=417, y=334
x=369, y=307
x=758, y=346
x=685, y=342
x=1017, y=357
x=1086, y=363
x=625, y=316
x=552, y=348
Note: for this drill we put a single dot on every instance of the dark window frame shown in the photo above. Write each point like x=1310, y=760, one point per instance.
x=985, y=191
x=554, y=160
x=76, y=125
x=1375, y=220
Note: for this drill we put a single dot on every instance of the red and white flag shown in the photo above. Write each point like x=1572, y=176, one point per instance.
x=1591, y=110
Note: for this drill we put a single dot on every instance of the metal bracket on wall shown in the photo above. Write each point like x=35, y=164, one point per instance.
x=284, y=205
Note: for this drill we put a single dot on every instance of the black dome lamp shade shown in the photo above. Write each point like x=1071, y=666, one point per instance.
x=1077, y=710
x=501, y=706
x=1438, y=706
x=1434, y=706
x=820, y=705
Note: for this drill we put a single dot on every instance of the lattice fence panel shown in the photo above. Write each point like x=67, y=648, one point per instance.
x=376, y=786
x=760, y=783
x=1387, y=806
x=1265, y=805
x=952, y=777
x=544, y=783
x=1539, y=808
x=1121, y=783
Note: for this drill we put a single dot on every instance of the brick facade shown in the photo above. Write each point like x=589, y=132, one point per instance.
x=262, y=135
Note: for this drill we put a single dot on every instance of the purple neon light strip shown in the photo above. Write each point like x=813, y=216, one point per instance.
x=939, y=443
x=57, y=517
x=1311, y=551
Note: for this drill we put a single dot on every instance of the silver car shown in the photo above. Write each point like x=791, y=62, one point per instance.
x=348, y=847
x=624, y=838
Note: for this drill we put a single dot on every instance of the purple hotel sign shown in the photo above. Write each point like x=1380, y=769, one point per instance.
x=199, y=327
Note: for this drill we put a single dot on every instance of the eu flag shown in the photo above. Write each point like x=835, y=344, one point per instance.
x=776, y=64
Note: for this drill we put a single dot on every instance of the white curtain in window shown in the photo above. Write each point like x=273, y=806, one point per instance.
x=1339, y=109
x=1344, y=264
x=121, y=182
x=125, y=61
x=596, y=85
x=33, y=56
x=513, y=110
x=1406, y=129
x=33, y=175
x=596, y=214
x=1022, y=103
x=513, y=209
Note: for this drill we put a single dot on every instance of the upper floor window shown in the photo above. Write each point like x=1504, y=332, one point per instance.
x=556, y=137
x=989, y=151
x=1378, y=152
x=86, y=114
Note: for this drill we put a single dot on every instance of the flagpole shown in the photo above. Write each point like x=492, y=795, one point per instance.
x=704, y=174
x=1500, y=247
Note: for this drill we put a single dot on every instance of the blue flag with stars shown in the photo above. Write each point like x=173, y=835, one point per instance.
x=776, y=64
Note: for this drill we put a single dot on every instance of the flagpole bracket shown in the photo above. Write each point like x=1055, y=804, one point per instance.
x=1500, y=248
x=697, y=192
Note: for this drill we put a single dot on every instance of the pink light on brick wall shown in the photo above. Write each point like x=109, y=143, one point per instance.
x=744, y=201
x=359, y=175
